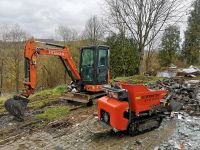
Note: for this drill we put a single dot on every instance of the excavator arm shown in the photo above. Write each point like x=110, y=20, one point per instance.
x=31, y=53
x=17, y=105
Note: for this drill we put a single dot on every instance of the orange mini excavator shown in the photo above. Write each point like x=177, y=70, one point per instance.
x=85, y=85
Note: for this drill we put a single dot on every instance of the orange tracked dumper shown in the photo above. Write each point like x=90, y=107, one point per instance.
x=134, y=108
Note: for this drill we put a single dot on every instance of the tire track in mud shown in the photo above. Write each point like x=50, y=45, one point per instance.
x=79, y=137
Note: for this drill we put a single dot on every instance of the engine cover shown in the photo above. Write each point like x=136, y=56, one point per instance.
x=116, y=110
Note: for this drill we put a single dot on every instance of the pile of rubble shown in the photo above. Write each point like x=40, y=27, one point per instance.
x=186, y=134
x=183, y=94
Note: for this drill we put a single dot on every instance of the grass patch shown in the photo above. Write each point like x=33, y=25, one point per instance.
x=45, y=97
x=40, y=99
x=2, y=101
x=53, y=113
x=55, y=91
x=139, y=79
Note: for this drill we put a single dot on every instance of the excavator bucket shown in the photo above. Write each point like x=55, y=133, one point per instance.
x=16, y=106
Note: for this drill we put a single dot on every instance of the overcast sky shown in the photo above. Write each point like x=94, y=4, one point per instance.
x=40, y=17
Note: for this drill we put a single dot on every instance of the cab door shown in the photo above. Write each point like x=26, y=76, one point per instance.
x=87, y=65
x=102, y=66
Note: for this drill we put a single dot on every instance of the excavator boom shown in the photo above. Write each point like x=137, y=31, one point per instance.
x=31, y=53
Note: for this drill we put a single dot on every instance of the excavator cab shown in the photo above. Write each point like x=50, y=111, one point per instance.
x=94, y=65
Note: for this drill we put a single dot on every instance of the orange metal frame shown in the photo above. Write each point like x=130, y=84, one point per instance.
x=142, y=99
x=31, y=52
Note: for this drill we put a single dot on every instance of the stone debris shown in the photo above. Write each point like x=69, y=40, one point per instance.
x=186, y=135
x=187, y=132
x=182, y=94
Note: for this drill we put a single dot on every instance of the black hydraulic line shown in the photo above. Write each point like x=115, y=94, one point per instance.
x=67, y=69
x=64, y=63
x=113, y=89
x=130, y=111
x=27, y=69
x=56, y=45
x=62, y=60
x=51, y=44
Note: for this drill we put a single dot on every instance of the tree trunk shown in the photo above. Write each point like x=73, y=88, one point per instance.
x=17, y=75
x=123, y=54
x=141, y=63
x=1, y=82
x=148, y=61
x=141, y=58
x=147, y=65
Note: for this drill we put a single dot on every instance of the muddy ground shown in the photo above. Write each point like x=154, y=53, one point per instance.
x=73, y=132
x=76, y=135
x=179, y=131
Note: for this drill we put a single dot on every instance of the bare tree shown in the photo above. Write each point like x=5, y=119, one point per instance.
x=16, y=36
x=3, y=44
x=67, y=34
x=150, y=49
x=1, y=67
x=93, y=30
x=144, y=19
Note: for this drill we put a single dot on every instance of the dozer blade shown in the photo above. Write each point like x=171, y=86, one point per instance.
x=81, y=97
x=16, y=106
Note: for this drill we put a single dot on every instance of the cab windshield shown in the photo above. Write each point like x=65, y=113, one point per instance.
x=87, y=57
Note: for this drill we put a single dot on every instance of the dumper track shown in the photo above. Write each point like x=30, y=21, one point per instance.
x=144, y=124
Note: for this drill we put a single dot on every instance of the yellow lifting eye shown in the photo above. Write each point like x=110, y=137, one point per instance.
x=138, y=97
x=34, y=58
